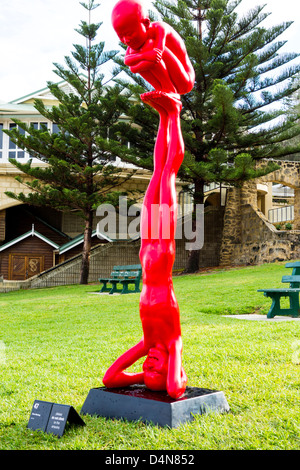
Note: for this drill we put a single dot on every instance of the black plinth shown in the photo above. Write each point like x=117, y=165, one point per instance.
x=138, y=403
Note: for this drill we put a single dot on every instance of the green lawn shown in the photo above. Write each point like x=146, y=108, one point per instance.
x=55, y=345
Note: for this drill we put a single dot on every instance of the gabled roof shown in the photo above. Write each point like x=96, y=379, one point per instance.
x=61, y=249
x=9, y=109
x=25, y=104
x=79, y=239
x=31, y=233
x=45, y=94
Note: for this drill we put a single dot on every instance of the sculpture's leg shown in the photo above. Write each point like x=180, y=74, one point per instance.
x=149, y=217
x=115, y=375
x=171, y=130
x=168, y=196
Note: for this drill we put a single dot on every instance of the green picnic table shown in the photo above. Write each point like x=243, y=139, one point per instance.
x=124, y=275
x=292, y=292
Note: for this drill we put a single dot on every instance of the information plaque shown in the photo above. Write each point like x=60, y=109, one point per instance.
x=52, y=418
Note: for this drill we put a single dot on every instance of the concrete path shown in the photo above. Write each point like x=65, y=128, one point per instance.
x=262, y=317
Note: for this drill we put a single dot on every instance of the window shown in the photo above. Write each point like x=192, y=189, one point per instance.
x=44, y=125
x=14, y=151
x=39, y=125
x=55, y=129
x=1, y=139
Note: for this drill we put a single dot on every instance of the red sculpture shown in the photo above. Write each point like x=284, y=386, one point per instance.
x=158, y=54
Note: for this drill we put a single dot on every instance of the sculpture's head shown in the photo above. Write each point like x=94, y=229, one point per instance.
x=155, y=368
x=131, y=22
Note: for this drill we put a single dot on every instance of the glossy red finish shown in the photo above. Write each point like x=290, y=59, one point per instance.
x=157, y=52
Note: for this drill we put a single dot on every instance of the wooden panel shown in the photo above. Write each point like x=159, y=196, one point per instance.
x=34, y=265
x=17, y=265
x=22, y=266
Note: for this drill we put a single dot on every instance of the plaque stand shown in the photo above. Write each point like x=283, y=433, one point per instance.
x=52, y=418
x=136, y=403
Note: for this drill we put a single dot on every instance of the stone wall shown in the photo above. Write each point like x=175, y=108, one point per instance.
x=289, y=175
x=296, y=223
x=248, y=237
x=261, y=242
x=232, y=226
x=8, y=182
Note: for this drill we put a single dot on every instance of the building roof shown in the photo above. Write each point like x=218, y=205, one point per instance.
x=10, y=109
x=31, y=233
x=61, y=249
x=79, y=239
x=25, y=104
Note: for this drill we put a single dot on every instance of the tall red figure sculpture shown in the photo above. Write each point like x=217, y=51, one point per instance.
x=158, y=54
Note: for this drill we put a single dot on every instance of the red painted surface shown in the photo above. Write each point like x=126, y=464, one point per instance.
x=157, y=52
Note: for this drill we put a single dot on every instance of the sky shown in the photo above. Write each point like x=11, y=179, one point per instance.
x=34, y=34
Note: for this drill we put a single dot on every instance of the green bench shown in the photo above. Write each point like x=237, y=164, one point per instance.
x=124, y=275
x=292, y=292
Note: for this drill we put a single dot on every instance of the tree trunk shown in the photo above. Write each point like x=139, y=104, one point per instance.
x=192, y=265
x=87, y=243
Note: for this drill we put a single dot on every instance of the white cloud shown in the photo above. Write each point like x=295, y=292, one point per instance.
x=35, y=33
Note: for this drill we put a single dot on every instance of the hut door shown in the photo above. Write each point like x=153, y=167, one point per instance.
x=24, y=266
x=34, y=265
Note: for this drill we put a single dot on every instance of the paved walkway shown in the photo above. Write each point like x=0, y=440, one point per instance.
x=262, y=317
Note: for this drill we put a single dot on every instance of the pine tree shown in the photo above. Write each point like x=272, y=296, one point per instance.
x=234, y=115
x=79, y=173
x=293, y=110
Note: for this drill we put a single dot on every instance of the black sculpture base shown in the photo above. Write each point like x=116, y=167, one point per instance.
x=136, y=403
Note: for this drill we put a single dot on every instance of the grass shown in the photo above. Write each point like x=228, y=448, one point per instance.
x=56, y=343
